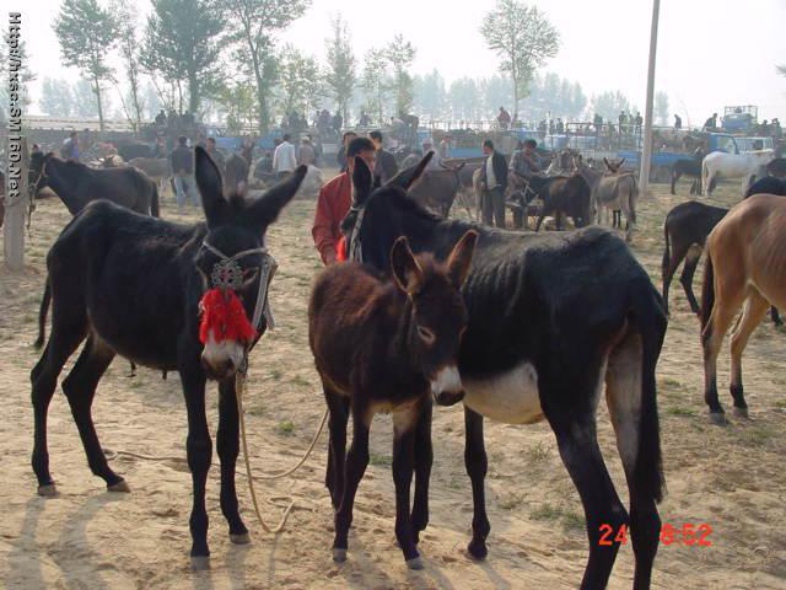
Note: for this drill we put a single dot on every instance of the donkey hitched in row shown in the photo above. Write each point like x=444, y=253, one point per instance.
x=551, y=318
x=170, y=297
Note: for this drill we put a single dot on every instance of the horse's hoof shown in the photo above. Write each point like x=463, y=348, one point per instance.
x=339, y=555
x=201, y=563
x=741, y=412
x=416, y=563
x=718, y=419
x=120, y=486
x=477, y=550
x=47, y=491
x=241, y=539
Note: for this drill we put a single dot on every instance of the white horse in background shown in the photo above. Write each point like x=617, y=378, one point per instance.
x=722, y=165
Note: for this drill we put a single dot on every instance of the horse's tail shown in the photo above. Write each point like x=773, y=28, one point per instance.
x=154, y=210
x=707, y=293
x=42, y=315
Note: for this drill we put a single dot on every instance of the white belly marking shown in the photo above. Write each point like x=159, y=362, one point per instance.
x=510, y=397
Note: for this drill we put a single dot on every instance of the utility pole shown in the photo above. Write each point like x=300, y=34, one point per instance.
x=646, y=149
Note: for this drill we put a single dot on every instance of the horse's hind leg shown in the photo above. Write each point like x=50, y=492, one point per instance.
x=63, y=341
x=80, y=388
x=624, y=400
x=228, y=447
x=752, y=314
x=604, y=512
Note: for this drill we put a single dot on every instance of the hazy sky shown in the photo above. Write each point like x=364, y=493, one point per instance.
x=711, y=53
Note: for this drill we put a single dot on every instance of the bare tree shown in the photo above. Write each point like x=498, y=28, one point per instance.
x=129, y=52
x=376, y=82
x=400, y=54
x=781, y=69
x=523, y=38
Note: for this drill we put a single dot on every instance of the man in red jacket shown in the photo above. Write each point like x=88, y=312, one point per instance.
x=335, y=199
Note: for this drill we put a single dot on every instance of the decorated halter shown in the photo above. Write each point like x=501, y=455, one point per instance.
x=220, y=308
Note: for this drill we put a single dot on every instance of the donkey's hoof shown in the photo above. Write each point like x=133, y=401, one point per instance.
x=718, y=419
x=47, y=491
x=741, y=412
x=339, y=555
x=120, y=486
x=241, y=539
x=416, y=563
x=477, y=550
x=201, y=563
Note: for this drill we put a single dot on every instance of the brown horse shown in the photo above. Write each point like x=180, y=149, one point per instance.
x=388, y=346
x=746, y=264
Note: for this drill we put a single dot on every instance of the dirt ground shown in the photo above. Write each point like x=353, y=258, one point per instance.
x=730, y=478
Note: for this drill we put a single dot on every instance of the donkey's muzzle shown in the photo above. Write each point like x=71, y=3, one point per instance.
x=446, y=386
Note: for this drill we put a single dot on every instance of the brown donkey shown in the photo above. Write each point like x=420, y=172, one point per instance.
x=386, y=346
x=746, y=263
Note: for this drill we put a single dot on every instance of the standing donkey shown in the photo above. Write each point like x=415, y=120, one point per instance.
x=387, y=346
x=552, y=318
x=616, y=190
x=167, y=296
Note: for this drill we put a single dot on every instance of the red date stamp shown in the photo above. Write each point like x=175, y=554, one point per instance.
x=689, y=534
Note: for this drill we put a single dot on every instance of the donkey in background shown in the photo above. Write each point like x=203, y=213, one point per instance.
x=132, y=285
x=388, y=346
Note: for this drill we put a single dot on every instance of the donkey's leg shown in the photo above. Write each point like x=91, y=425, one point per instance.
x=752, y=314
x=686, y=278
x=338, y=407
x=80, y=389
x=604, y=512
x=669, y=264
x=228, y=447
x=776, y=318
x=199, y=448
x=357, y=461
x=476, y=463
x=624, y=380
x=405, y=424
x=64, y=340
x=424, y=458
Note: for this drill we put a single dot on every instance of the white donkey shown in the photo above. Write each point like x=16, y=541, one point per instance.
x=722, y=165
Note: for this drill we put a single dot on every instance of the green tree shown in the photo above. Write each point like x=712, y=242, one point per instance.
x=182, y=45
x=400, y=54
x=254, y=23
x=523, y=38
x=300, y=81
x=85, y=99
x=87, y=33
x=465, y=96
x=340, y=76
x=376, y=83
x=430, y=96
x=609, y=104
x=56, y=99
x=662, y=108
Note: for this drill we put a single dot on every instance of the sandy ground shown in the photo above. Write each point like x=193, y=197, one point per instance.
x=730, y=478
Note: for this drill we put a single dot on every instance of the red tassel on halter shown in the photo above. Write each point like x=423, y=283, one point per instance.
x=341, y=250
x=225, y=316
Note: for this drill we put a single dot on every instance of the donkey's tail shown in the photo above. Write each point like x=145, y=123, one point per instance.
x=652, y=320
x=154, y=211
x=42, y=315
x=707, y=293
x=666, y=262
x=634, y=194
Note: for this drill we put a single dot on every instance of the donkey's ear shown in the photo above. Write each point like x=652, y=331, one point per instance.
x=622, y=161
x=362, y=182
x=208, y=180
x=406, y=270
x=605, y=161
x=406, y=178
x=266, y=208
x=461, y=258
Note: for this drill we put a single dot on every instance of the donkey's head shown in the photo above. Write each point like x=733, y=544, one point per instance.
x=438, y=314
x=234, y=266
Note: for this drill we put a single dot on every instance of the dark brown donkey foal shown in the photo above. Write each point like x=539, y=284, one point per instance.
x=384, y=346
